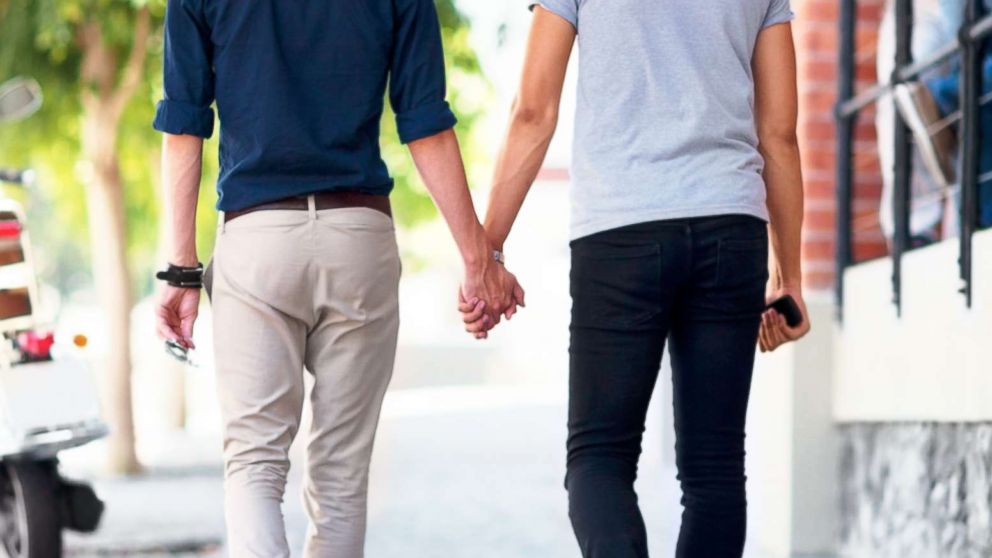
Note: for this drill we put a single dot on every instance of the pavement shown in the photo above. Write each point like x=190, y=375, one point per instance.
x=465, y=471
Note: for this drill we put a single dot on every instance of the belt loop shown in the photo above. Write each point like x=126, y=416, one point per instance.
x=312, y=207
x=222, y=221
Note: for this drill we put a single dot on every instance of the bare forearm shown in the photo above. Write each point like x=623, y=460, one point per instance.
x=182, y=166
x=532, y=122
x=776, y=113
x=783, y=178
x=439, y=160
x=517, y=166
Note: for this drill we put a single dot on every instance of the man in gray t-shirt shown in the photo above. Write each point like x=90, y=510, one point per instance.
x=686, y=172
x=663, y=129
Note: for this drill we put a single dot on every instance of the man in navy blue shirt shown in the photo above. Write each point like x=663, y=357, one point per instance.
x=306, y=269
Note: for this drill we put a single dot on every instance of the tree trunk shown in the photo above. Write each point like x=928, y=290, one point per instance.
x=105, y=208
x=103, y=100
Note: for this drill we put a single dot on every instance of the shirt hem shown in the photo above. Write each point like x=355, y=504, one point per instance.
x=603, y=225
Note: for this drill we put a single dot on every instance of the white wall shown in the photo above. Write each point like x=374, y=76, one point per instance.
x=934, y=363
x=792, y=449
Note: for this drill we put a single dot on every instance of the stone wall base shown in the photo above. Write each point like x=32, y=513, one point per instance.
x=916, y=490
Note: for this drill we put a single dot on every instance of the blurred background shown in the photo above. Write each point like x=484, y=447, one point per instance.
x=872, y=437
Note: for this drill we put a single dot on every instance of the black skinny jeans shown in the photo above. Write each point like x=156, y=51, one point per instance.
x=700, y=284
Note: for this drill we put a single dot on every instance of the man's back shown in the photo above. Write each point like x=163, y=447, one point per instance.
x=665, y=122
x=299, y=88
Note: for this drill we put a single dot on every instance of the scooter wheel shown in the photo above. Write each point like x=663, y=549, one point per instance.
x=30, y=523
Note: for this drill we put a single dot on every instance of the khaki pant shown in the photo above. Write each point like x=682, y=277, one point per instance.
x=295, y=289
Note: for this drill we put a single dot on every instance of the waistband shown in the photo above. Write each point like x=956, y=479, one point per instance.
x=321, y=200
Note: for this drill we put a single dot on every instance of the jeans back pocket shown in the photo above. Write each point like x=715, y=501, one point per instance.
x=742, y=272
x=615, y=285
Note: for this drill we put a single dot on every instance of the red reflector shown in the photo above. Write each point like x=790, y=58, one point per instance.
x=37, y=346
x=10, y=229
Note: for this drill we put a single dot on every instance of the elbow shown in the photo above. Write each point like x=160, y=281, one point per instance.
x=182, y=142
x=184, y=150
x=778, y=139
x=540, y=118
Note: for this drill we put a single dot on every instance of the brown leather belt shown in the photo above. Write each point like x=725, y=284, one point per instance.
x=323, y=200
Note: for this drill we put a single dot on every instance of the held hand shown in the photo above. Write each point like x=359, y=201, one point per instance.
x=775, y=332
x=481, y=316
x=176, y=313
x=484, y=282
x=473, y=311
x=489, y=281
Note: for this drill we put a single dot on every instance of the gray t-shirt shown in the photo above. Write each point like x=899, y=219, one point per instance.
x=664, y=125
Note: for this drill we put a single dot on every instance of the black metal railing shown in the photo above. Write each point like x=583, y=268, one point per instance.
x=969, y=43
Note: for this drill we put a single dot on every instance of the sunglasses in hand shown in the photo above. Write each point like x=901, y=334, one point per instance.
x=180, y=353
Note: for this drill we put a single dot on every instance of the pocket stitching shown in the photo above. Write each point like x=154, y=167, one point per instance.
x=736, y=245
x=743, y=244
x=641, y=252
x=385, y=224
x=645, y=315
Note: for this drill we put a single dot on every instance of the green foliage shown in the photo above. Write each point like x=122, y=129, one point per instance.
x=468, y=91
x=39, y=39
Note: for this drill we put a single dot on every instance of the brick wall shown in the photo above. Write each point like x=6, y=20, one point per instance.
x=816, y=34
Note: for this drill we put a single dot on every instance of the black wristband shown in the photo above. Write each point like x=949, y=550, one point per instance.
x=182, y=277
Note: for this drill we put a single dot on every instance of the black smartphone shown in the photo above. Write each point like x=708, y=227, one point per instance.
x=787, y=307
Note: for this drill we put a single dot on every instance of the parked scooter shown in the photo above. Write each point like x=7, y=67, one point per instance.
x=48, y=399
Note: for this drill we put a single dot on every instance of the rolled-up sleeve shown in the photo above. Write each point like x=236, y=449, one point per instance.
x=188, y=76
x=416, y=76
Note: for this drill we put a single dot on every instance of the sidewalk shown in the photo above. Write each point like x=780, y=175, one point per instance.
x=472, y=472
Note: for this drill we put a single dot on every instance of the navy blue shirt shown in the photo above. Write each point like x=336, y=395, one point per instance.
x=299, y=87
